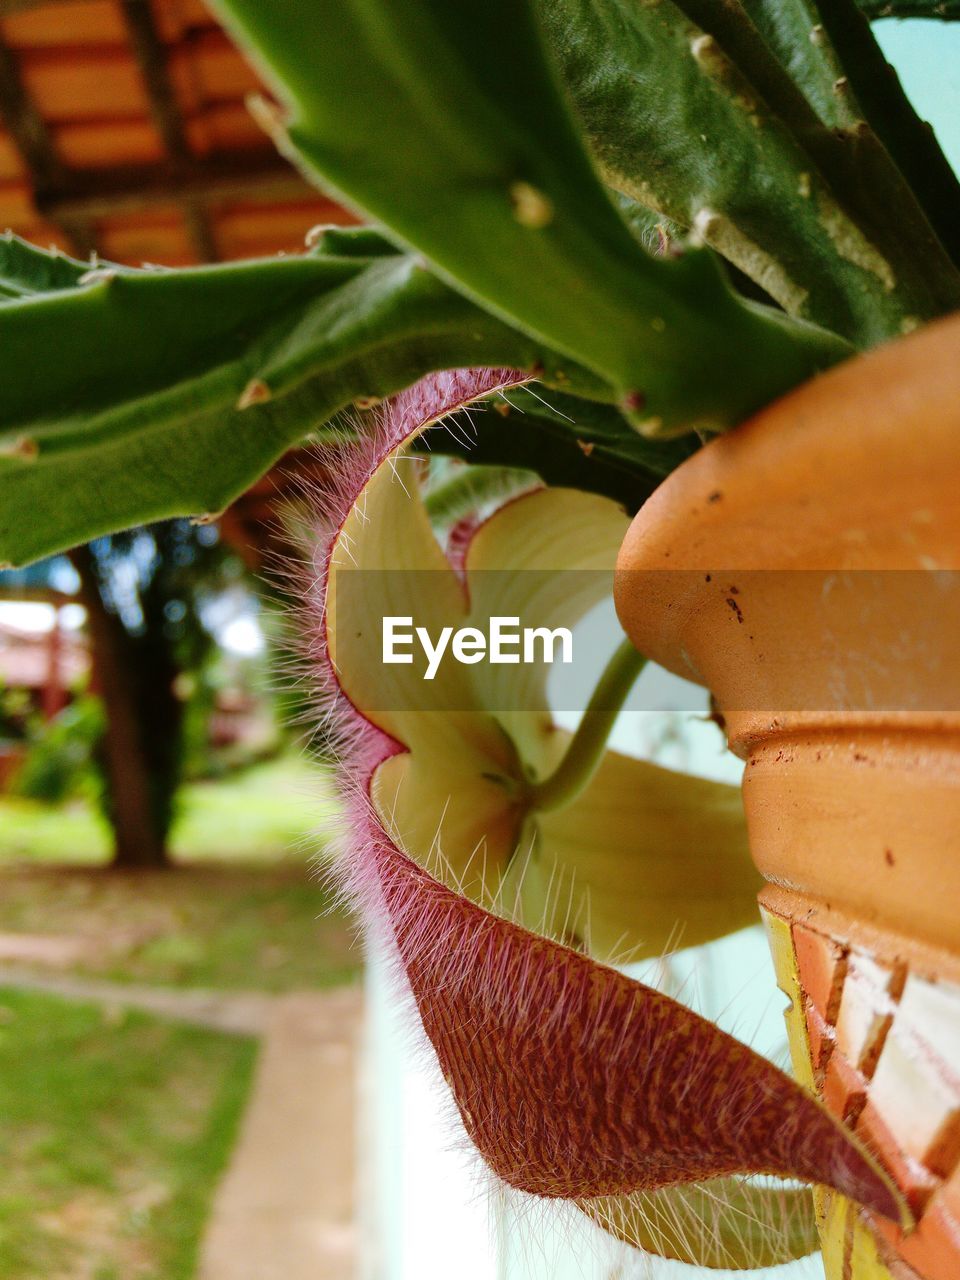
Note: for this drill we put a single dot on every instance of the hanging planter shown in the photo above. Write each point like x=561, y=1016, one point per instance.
x=804, y=569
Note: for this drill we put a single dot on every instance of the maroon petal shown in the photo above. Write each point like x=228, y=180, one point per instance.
x=575, y=1081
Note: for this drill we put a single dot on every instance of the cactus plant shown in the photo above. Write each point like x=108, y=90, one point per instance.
x=639, y=224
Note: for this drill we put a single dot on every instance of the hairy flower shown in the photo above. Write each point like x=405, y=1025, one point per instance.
x=571, y=1079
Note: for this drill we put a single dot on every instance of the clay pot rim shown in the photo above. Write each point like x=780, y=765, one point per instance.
x=788, y=488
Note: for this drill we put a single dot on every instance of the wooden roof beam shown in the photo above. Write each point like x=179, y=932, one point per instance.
x=151, y=55
x=26, y=125
x=38, y=151
x=259, y=176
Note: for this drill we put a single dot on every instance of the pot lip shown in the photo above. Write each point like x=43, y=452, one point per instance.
x=927, y=960
x=805, y=484
x=748, y=732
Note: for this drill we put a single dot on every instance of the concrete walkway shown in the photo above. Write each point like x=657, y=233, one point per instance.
x=285, y=1208
x=240, y=1012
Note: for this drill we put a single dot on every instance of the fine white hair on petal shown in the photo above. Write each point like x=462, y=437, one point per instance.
x=571, y=1079
x=347, y=466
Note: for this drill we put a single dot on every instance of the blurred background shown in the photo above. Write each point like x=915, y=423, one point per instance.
x=194, y=1082
x=178, y=998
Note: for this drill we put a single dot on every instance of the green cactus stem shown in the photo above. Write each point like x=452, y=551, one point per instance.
x=171, y=391
x=390, y=104
x=689, y=112
x=910, y=141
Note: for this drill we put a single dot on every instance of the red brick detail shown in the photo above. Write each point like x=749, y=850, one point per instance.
x=916, y=1182
x=820, y=1038
x=844, y=1089
x=822, y=965
x=933, y=1249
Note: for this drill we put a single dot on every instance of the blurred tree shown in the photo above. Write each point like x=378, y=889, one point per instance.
x=144, y=592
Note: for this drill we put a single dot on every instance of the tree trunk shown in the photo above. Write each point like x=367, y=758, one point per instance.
x=139, y=833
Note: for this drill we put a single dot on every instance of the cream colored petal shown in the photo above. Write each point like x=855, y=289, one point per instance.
x=652, y=860
x=546, y=558
x=645, y=858
x=455, y=813
x=450, y=800
x=724, y=1222
x=386, y=561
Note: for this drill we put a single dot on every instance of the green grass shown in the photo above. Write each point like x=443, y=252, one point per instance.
x=34, y=832
x=262, y=814
x=269, y=930
x=269, y=812
x=113, y=1134
x=239, y=910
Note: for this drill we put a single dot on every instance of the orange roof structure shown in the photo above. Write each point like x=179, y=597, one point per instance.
x=126, y=133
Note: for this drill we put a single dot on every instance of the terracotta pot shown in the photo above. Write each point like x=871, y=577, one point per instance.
x=806, y=569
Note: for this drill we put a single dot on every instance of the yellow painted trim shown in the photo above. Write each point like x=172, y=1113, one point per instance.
x=832, y=1211
x=780, y=940
x=843, y=1237
x=865, y=1263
